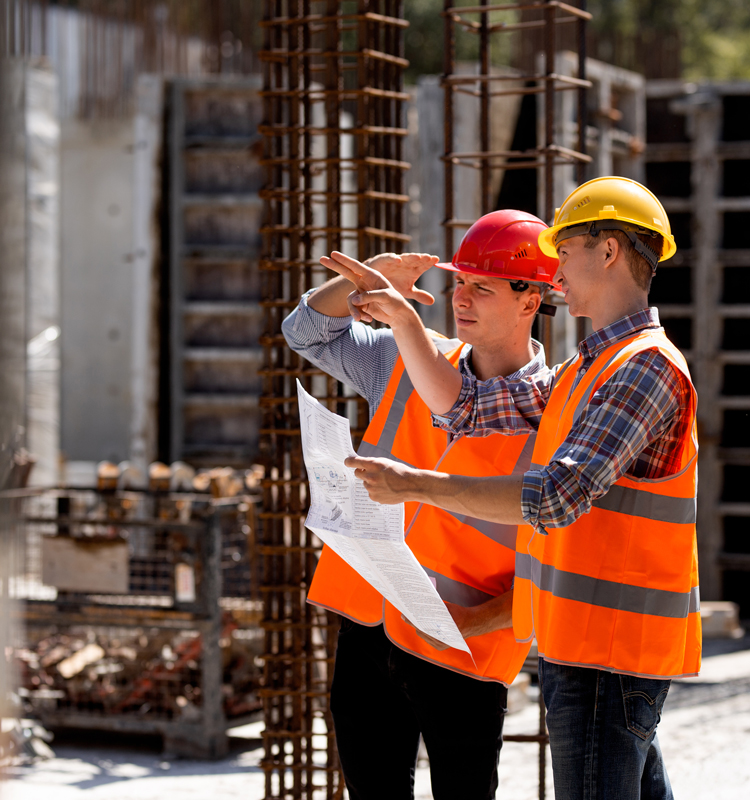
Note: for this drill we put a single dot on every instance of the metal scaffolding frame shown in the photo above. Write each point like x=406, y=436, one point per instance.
x=333, y=132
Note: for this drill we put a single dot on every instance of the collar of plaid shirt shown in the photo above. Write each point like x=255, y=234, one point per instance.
x=597, y=341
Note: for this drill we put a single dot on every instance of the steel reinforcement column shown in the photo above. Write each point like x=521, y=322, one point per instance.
x=333, y=132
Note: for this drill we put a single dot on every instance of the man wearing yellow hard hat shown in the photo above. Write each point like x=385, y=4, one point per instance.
x=606, y=555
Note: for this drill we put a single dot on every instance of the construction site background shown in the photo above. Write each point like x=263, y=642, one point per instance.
x=154, y=157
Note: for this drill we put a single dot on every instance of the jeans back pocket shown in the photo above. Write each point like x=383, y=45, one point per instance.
x=643, y=700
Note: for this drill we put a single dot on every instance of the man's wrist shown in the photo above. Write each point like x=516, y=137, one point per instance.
x=421, y=486
x=406, y=320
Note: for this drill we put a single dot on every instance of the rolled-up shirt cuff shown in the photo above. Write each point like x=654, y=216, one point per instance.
x=531, y=498
x=459, y=418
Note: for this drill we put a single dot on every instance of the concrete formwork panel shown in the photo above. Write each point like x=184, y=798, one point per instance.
x=96, y=211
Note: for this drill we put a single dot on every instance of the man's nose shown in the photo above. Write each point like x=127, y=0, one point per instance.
x=460, y=296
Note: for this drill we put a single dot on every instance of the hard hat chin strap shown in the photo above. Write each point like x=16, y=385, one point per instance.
x=631, y=231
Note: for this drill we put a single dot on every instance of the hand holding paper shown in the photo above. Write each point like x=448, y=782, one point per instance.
x=367, y=535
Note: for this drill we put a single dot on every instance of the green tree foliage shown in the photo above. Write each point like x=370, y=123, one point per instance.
x=715, y=39
x=425, y=38
x=713, y=36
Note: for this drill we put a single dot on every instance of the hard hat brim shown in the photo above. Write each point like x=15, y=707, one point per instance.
x=502, y=275
x=547, y=241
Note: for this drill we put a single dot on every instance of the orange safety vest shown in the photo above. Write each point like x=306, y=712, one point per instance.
x=470, y=560
x=618, y=589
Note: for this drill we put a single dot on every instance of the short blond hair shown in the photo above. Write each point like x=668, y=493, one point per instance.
x=640, y=269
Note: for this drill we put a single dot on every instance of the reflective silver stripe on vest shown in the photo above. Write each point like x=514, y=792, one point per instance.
x=502, y=534
x=607, y=594
x=586, y=397
x=563, y=369
x=524, y=459
x=395, y=413
x=641, y=503
x=456, y=592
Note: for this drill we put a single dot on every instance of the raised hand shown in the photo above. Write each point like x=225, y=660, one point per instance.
x=375, y=297
x=394, y=275
x=403, y=272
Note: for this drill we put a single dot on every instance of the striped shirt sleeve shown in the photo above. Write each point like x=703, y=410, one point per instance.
x=356, y=354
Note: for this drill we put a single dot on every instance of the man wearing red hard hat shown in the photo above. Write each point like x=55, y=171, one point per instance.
x=391, y=684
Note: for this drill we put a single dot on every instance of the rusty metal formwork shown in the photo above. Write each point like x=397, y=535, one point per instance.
x=508, y=68
x=698, y=164
x=333, y=133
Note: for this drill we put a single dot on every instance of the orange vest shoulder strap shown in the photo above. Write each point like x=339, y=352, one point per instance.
x=399, y=385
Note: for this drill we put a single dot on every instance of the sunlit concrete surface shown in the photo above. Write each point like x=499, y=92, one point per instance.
x=705, y=735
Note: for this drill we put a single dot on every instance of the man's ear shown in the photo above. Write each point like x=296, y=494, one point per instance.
x=531, y=302
x=610, y=251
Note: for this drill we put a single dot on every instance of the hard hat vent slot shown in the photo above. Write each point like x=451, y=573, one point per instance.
x=521, y=253
x=584, y=202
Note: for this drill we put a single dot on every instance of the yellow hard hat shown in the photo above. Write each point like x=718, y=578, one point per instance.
x=611, y=203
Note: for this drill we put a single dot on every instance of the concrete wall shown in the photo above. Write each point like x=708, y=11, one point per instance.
x=12, y=263
x=96, y=207
x=43, y=281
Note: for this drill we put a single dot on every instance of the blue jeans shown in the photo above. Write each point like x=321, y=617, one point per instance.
x=382, y=698
x=602, y=729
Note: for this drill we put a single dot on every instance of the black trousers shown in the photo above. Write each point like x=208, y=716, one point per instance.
x=382, y=698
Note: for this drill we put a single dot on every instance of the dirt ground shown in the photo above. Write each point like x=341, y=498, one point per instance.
x=705, y=736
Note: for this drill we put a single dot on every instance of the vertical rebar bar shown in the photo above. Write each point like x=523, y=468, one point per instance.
x=582, y=110
x=487, y=203
x=449, y=49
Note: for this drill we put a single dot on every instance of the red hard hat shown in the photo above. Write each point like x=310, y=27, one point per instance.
x=503, y=244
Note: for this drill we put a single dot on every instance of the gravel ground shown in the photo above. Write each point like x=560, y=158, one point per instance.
x=705, y=736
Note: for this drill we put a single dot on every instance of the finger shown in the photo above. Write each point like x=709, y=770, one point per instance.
x=356, y=313
x=379, y=296
x=421, y=296
x=358, y=462
x=342, y=269
x=357, y=267
x=421, y=261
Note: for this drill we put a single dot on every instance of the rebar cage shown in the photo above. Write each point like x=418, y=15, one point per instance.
x=516, y=47
x=333, y=131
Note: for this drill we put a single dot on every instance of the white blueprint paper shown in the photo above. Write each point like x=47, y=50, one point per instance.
x=367, y=535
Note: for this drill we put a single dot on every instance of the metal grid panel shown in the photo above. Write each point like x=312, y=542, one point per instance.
x=489, y=87
x=698, y=164
x=169, y=644
x=100, y=46
x=333, y=135
x=615, y=140
x=210, y=405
